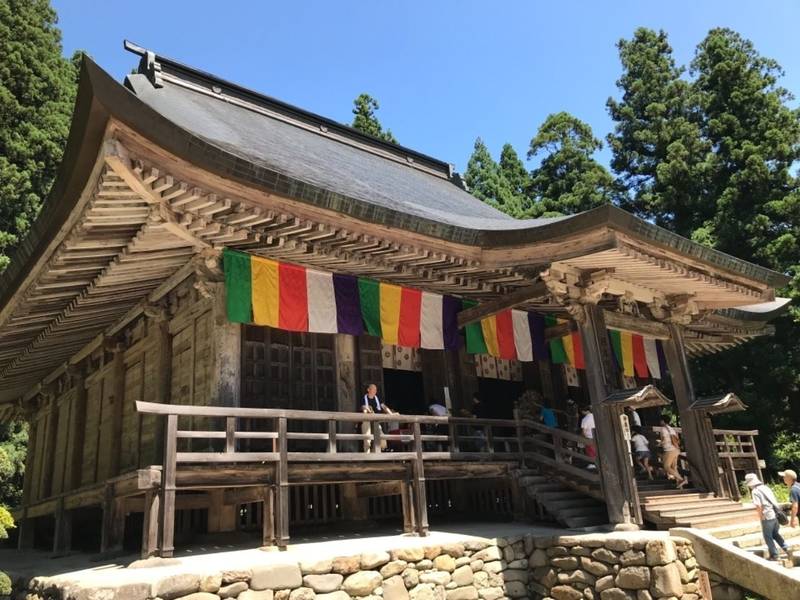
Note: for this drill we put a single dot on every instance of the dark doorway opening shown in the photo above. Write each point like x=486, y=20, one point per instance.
x=498, y=397
x=404, y=391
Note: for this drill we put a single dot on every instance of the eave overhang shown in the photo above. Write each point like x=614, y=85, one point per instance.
x=492, y=260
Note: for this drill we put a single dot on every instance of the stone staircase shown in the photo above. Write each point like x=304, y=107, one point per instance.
x=747, y=536
x=550, y=497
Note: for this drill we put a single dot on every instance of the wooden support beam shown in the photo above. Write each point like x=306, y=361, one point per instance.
x=420, y=493
x=614, y=465
x=268, y=516
x=168, y=479
x=653, y=329
x=282, y=499
x=113, y=528
x=698, y=435
x=62, y=535
x=374, y=490
x=150, y=524
x=476, y=313
x=407, y=502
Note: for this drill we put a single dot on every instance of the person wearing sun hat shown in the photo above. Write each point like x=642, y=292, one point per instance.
x=790, y=479
x=765, y=503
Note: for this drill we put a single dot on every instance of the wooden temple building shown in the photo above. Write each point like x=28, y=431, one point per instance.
x=190, y=325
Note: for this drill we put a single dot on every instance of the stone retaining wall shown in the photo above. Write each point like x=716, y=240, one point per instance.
x=616, y=566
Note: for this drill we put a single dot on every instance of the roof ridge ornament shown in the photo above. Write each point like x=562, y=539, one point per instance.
x=148, y=65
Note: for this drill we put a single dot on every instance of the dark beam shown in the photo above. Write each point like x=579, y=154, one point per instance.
x=617, y=320
x=476, y=313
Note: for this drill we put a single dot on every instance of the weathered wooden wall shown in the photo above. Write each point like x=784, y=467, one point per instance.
x=86, y=428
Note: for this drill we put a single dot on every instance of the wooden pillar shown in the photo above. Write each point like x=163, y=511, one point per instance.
x=167, y=501
x=420, y=493
x=347, y=394
x=62, y=535
x=614, y=464
x=226, y=376
x=407, y=501
x=282, y=480
x=113, y=528
x=268, y=516
x=77, y=433
x=221, y=516
x=150, y=524
x=49, y=446
x=118, y=383
x=468, y=380
x=26, y=534
x=698, y=435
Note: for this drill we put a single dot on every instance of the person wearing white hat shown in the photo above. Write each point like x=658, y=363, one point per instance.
x=766, y=503
x=790, y=479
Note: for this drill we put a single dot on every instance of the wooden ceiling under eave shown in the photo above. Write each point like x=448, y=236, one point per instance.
x=114, y=255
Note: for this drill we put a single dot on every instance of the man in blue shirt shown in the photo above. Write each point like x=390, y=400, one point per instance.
x=548, y=417
x=790, y=479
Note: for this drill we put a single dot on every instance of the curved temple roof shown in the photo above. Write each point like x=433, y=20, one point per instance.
x=283, y=152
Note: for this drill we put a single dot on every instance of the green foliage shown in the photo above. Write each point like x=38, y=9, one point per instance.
x=6, y=522
x=365, y=121
x=13, y=444
x=5, y=584
x=713, y=157
x=500, y=185
x=786, y=449
x=756, y=137
x=37, y=91
x=658, y=150
x=568, y=178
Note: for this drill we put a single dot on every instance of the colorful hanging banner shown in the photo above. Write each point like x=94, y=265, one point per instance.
x=636, y=355
x=287, y=296
x=558, y=354
x=291, y=297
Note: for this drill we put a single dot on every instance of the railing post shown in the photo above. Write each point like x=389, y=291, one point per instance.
x=282, y=480
x=557, y=446
x=487, y=432
x=375, y=429
x=452, y=434
x=230, y=435
x=520, y=441
x=332, y=437
x=150, y=524
x=168, y=479
x=420, y=496
x=268, y=516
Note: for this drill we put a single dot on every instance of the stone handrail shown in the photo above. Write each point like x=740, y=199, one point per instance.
x=768, y=579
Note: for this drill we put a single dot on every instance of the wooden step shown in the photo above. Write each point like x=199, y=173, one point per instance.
x=548, y=487
x=677, y=498
x=585, y=521
x=667, y=492
x=527, y=480
x=582, y=511
x=700, y=510
x=562, y=495
x=575, y=501
x=742, y=516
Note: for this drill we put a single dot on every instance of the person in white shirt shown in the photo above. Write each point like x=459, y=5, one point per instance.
x=765, y=502
x=437, y=410
x=587, y=430
x=670, y=448
x=641, y=450
x=634, y=417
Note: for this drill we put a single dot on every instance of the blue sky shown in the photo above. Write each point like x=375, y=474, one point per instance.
x=444, y=71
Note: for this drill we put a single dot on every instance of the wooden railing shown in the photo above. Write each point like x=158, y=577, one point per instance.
x=267, y=436
x=736, y=451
